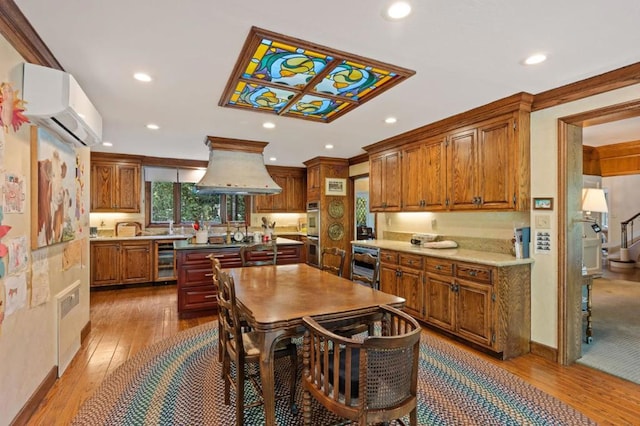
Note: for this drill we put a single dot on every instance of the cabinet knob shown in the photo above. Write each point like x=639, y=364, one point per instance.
x=473, y=273
x=438, y=267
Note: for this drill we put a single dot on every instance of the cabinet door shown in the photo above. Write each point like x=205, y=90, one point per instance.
x=410, y=287
x=135, y=262
x=279, y=201
x=440, y=301
x=434, y=176
x=474, y=304
x=496, y=174
x=128, y=188
x=105, y=263
x=384, y=182
x=296, y=199
x=462, y=170
x=103, y=187
x=314, y=189
x=388, y=278
x=413, y=169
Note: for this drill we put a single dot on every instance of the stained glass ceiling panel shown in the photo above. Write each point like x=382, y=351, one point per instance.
x=276, y=74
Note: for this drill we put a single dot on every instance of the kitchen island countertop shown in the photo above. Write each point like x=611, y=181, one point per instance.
x=461, y=254
x=187, y=245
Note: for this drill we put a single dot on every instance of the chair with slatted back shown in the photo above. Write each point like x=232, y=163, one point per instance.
x=216, y=268
x=366, y=379
x=356, y=274
x=259, y=254
x=332, y=260
x=241, y=348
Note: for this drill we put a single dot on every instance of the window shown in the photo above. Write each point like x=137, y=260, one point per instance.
x=170, y=199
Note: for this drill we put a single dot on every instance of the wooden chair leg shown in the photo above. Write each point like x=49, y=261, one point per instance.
x=413, y=417
x=239, y=393
x=226, y=366
x=306, y=408
x=293, y=356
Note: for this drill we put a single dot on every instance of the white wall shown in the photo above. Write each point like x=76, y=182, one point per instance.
x=624, y=203
x=28, y=338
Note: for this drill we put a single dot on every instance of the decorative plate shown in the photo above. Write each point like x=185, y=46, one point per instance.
x=336, y=231
x=336, y=209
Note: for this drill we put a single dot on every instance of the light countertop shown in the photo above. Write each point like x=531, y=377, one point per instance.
x=465, y=255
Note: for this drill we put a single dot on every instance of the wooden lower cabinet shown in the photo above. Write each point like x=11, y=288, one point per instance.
x=120, y=262
x=485, y=305
x=196, y=290
x=402, y=275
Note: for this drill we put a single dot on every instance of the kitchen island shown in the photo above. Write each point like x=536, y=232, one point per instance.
x=196, y=292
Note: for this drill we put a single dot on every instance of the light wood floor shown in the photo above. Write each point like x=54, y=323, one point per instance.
x=126, y=320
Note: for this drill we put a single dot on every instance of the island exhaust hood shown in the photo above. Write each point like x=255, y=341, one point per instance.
x=236, y=167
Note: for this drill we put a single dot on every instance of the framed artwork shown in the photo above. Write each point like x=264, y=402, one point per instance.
x=54, y=192
x=545, y=203
x=334, y=186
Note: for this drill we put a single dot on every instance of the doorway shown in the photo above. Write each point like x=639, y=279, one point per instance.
x=365, y=221
x=570, y=230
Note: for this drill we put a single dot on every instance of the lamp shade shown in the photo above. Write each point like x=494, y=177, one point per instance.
x=593, y=200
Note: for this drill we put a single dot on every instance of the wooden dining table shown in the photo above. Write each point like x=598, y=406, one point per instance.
x=274, y=299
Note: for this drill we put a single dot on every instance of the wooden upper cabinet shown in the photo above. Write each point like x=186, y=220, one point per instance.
x=479, y=159
x=385, y=182
x=423, y=175
x=462, y=190
x=495, y=165
x=292, y=199
x=481, y=166
x=314, y=189
x=115, y=186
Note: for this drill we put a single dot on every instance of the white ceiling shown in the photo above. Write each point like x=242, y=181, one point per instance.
x=466, y=53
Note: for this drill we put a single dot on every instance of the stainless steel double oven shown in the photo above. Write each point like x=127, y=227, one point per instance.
x=313, y=233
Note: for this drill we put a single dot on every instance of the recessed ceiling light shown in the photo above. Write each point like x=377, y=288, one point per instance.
x=140, y=76
x=398, y=10
x=272, y=158
x=153, y=126
x=328, y=146
x=268, y=125
x=107, y=144
x=535, y=59
x=390, y=120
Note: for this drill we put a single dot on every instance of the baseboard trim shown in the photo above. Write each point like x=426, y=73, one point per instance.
x=546, y=352
x=85, y=331
x=30, y=407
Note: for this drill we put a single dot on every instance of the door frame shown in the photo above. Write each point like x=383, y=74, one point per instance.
x=569, y=229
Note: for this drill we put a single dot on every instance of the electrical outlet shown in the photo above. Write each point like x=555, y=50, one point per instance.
x=434, y=224
x=543, y=221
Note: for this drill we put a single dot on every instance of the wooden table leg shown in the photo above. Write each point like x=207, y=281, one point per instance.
x=267, y=343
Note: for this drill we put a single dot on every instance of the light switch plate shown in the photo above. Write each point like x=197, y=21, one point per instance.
x=543, y=221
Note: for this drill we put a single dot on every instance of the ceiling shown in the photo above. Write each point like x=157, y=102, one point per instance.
x=466, y=53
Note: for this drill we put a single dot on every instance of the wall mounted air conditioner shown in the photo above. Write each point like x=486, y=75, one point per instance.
x=54, y=100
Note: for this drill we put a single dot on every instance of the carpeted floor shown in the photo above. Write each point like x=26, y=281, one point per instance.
x=177, y=382
x=616, y=329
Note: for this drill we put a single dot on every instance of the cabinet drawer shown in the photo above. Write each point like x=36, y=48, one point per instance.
x=477, y=273
x=198, y=298
x=191, y=276
x=197, y=257
x=411, y=260
x=387, y=256
x=439, y=266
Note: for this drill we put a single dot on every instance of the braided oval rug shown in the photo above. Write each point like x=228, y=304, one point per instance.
x=177, y=382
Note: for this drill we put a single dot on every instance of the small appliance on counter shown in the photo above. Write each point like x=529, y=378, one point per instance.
x=420, y=239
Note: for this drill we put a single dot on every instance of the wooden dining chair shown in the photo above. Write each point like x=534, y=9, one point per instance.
x=332, y=260
x=259, y=254
x=370, y=379
x=356, y=274
x=216, y=268
x=241, y=348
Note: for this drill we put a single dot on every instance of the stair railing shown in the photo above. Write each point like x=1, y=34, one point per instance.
x=624, y=237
